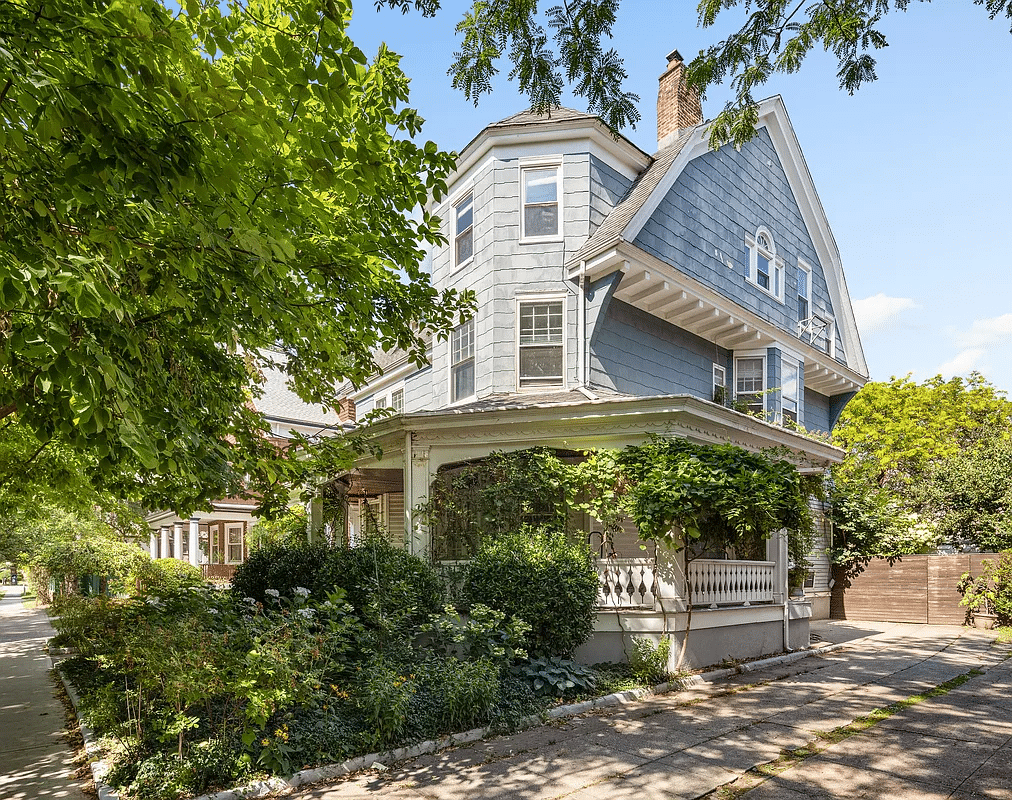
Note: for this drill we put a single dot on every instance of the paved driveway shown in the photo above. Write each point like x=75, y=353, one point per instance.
x=689, y=744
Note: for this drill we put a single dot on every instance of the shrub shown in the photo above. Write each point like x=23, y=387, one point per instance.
x=484, y=634
x=542, y=578
x=283, y=568
x=164, y=575
x=388, y=587
x=991, y=591
x=165, y=776
x=454, y=696
x=649, y=660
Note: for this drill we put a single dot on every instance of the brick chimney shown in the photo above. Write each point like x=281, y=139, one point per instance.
x=678, y=107
x=346, y=409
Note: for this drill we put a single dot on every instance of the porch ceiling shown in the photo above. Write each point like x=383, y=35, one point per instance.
x=371, y=482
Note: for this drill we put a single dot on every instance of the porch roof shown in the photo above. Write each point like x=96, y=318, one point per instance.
x=571, y=417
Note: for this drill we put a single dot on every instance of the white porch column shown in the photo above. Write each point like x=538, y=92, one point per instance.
x=177, y=540
x=195, y=541
x=776, y=550
x=417, y=480
x=164, y=551
x=314, y=519
x=153, y=545
x=669, y=570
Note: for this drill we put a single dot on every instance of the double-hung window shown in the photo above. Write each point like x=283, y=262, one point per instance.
x=397, y=400
x=463, y=238
x=719, y=384
x=540, y=343
x=765, y=269
x=234, y=535
x=539, y=187
x=790, y=384
x=750, y=383
x=804, y=295
x=462, y=361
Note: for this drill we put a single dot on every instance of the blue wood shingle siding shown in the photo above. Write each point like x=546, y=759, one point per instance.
x=816, y=416
x=607, y=188
x=702, y=222
x=636, y=353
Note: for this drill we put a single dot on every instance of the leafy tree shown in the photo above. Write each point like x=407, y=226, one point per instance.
x=926, y=462
x=182, y=190
x=895, y=431
x=776, y=37
x=970, y=494
x=287, y=529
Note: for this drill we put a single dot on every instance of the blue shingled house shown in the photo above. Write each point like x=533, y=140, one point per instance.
x=622, y=294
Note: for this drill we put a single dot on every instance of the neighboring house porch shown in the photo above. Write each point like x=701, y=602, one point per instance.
x=216, y=542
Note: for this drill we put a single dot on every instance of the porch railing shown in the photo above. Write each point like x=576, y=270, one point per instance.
x=723, y=583
x=625, y=583
x=218, y=572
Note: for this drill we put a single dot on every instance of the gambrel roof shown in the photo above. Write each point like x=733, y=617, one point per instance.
x=628, y=218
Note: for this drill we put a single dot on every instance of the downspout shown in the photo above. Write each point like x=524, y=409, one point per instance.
x=787, y=627
x=409, y=496
x=582, y=323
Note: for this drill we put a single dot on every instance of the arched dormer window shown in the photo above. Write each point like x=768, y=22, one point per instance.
x=765, y=268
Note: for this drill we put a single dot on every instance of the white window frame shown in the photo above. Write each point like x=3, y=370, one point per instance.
x=827, y=326
x=761, y=393
x=395, y=395
x=230, y=527
x=804, y=293
x=452, y=364
x=776, y=264
x=522, y=300
x=535, y=164
x=464, y=197
x=719, y=383
x=786, y=360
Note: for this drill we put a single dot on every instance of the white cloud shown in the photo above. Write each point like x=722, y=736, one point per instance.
x=879, y=311
x=987, y=332
x=963, y=364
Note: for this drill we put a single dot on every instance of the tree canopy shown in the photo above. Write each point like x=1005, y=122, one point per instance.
x=184, y=194
x=568, y=47
x=927, y=463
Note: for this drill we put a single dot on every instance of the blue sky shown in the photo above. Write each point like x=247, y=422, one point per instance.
x=914, y=171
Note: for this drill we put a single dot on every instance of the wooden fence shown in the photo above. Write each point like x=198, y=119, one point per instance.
x=915, y=589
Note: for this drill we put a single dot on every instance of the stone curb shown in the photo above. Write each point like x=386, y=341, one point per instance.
x=381, y=760
x=91, y=747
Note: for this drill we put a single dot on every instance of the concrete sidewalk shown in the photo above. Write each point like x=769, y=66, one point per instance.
x=35, y=760
x=688, y=744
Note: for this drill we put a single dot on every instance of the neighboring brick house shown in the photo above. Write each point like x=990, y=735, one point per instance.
x=621, y=294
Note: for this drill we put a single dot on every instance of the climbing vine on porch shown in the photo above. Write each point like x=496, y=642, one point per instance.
x=709, y=497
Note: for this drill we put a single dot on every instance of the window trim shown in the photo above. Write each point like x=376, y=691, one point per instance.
x=722, y=385
x=451, y=364
x=541, y=163
x=467, y=194
x=399, y=390
x=762, y=392
x=796, y=363
x=520, y=300
x=804, y=277
x=777, y=272
x=830, y=334
x=229, y=527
